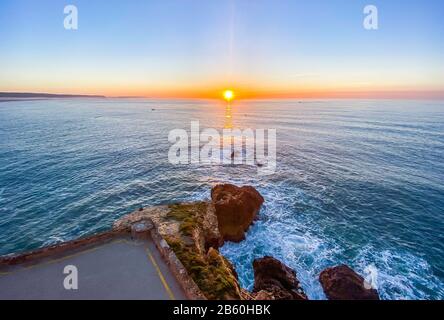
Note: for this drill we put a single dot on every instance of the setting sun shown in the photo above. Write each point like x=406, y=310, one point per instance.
x=228, y=95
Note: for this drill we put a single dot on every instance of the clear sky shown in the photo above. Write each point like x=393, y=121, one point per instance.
x=195, y=48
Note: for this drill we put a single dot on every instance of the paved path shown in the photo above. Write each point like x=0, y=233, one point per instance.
x=122, y=269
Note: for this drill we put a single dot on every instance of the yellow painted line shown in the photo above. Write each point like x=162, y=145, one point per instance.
x=162, y=278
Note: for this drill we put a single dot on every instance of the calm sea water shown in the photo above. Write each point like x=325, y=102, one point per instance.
x=357, y=182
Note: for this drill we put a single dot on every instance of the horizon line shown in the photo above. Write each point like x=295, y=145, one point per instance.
x=346, y=95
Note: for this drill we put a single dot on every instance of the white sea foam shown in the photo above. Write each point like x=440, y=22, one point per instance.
x=292, y=239
x=401, y=275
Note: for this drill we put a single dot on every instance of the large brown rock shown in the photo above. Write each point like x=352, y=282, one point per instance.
x=343, y=283
x=236, y=209
x=273, y=280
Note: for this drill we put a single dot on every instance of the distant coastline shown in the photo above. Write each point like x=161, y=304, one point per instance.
x=16, y=96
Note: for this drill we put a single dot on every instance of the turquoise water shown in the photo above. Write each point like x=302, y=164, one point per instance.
x=357, y=182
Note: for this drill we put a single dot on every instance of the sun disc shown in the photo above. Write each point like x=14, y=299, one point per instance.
x=228, y=95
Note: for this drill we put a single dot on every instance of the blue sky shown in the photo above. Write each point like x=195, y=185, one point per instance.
x=258, y=47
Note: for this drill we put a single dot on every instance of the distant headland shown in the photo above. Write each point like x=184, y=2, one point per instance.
x=12, y=96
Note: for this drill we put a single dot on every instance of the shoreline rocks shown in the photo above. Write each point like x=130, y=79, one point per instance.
x=273, y=280
x=195, y=231
x=236, y=209
x=343, y=283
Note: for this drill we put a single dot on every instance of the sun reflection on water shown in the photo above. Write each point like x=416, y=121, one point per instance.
x=228, y=117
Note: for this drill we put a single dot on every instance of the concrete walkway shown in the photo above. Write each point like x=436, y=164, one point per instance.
x=121, y=269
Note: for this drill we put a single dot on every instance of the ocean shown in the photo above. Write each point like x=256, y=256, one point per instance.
x=357, y=182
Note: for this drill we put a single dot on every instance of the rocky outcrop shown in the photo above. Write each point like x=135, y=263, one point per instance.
x=191, y=231
x=273, y=280
x=236, y=208
x=343, y=283
x=195, y=231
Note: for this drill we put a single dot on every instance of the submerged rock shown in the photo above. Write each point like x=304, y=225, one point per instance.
x=273, y=280
x=236, y=208
x=343, y=283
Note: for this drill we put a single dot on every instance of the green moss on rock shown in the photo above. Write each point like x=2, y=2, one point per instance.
x=213, y=274
x=190, y=216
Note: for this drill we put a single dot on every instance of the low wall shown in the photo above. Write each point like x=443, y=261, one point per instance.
x=78, y=244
